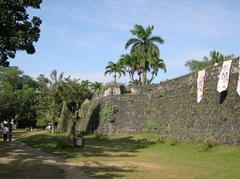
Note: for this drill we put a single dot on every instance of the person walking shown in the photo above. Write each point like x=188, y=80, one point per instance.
x=5, y=133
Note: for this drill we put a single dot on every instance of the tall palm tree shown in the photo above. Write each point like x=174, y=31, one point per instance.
x=216, y=57
x=116, y=69
x=144, y=44
x=97, y=87
x=129, y=63
x=157, y=64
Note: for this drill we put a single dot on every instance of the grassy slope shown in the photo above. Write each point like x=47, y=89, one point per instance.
x=138, y=157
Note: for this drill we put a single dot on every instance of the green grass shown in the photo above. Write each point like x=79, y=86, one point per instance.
x=142, y=156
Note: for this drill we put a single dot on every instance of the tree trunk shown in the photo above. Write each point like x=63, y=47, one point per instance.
x=115, y=79
x=144, y=78
x=152, y=78
x=131, y=76
x=52, y=121
x=74, y=132
x=61, y=125
x=139, y=78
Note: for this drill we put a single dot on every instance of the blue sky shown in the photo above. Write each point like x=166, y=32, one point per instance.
x=79, y=37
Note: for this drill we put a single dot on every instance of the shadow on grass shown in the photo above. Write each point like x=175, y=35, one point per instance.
x=95, y=147
x=107, y=172
x=18, y=163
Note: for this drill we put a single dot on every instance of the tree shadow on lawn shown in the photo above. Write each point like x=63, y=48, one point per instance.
x=95, y=147
x=17, y=163
x=108, y=172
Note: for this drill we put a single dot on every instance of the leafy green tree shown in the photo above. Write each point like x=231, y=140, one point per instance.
x=17, y=31
x=77, y=94
x=116, y=69
x=17, y=97
x=214, y=58
x=144, y=46
x=97, y=88
x=129, y=63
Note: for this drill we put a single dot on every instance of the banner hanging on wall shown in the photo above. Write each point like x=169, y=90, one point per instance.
x=200, y=85
x=238, y=86
x=224, y=76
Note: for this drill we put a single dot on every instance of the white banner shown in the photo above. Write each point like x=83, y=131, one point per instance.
x=224, y=76
x=238, y=86
x=200, y=84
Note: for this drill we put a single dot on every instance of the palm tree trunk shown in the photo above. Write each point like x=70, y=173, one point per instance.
x=144, y=78
x=115, y=79
x=131, y=76
x=152, y=78
x=139, y=78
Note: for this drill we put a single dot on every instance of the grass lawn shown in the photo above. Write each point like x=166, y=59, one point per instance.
x=141, y=156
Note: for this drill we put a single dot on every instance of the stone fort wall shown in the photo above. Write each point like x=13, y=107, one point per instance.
x=171, y=109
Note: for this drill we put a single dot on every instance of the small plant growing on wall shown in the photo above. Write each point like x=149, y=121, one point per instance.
x=152, y=126
x=108, y=112
x=160, y=94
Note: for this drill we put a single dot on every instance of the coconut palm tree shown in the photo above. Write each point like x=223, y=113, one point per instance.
x=97, y=88
x=157, y=64
x=144, y=45
x=129, y=64
x=116, y=69
x=216, y=57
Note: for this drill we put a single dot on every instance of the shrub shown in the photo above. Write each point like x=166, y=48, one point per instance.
x=160, y=94
x=108, y=112
x=210, y=142
x=162, y=138
x=173, y=141
x=42, y=123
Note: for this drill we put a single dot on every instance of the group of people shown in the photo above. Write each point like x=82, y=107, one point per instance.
x=7, y=131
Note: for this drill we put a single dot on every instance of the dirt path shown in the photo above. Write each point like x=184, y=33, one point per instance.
x=15, y=152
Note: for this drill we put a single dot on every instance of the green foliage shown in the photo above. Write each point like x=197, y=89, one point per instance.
x=17, y=31
x=108, y=112
x=215, y=57
x=145, y=53
x=116, y=69
x=160, y=94
x=97, y=88
x=18, y=97
x=151, y=110
x=42, y=123
x=144, y=57
x=152, y=126
x=225, y=118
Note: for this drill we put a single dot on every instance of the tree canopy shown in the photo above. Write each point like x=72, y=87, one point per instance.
x=214, y=58
x=144, y=56
x=17, y=30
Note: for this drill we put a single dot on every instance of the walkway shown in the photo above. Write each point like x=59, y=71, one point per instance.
x=17, y=160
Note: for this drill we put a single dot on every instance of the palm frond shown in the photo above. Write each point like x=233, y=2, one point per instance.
x=157, y=39
x=131, y=41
